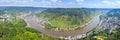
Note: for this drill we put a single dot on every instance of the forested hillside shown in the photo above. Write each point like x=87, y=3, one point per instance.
x=66, y=18
x=113, y=30
x=18, y=30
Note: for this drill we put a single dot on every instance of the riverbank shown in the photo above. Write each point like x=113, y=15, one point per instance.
x=33, y=24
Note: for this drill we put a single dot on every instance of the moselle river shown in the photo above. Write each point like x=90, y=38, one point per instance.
x=33, y=24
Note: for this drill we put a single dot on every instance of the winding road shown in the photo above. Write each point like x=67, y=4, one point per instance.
x=30, y=20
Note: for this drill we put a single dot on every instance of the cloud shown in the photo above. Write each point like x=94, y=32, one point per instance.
x=107, y=2
x=42, y=3
x=16, y=0
x=62, y=3
x=55, y=0
x=118, y=2
x=79, y=0
x=111, y=3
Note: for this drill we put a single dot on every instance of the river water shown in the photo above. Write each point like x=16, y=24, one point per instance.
x=33, y=24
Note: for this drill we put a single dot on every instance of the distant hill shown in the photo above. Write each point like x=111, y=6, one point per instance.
x=65, y=18
x=19, y=10
x=114, y=12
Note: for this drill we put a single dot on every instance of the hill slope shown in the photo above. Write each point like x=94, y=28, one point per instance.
x=66, y=18
x=19, y=10
x=112, y=32
x=17, y=30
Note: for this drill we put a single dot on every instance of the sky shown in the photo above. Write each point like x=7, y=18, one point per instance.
x=63, y=3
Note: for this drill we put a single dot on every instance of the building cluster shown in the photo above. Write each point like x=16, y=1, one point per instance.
x=5, y=17
x=40, y=21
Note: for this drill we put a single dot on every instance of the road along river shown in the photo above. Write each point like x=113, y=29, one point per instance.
x=33, y=24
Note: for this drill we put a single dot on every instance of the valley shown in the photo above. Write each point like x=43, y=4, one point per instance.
x=61, y=24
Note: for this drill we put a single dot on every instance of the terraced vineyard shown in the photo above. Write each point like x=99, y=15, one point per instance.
x=66, y=18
